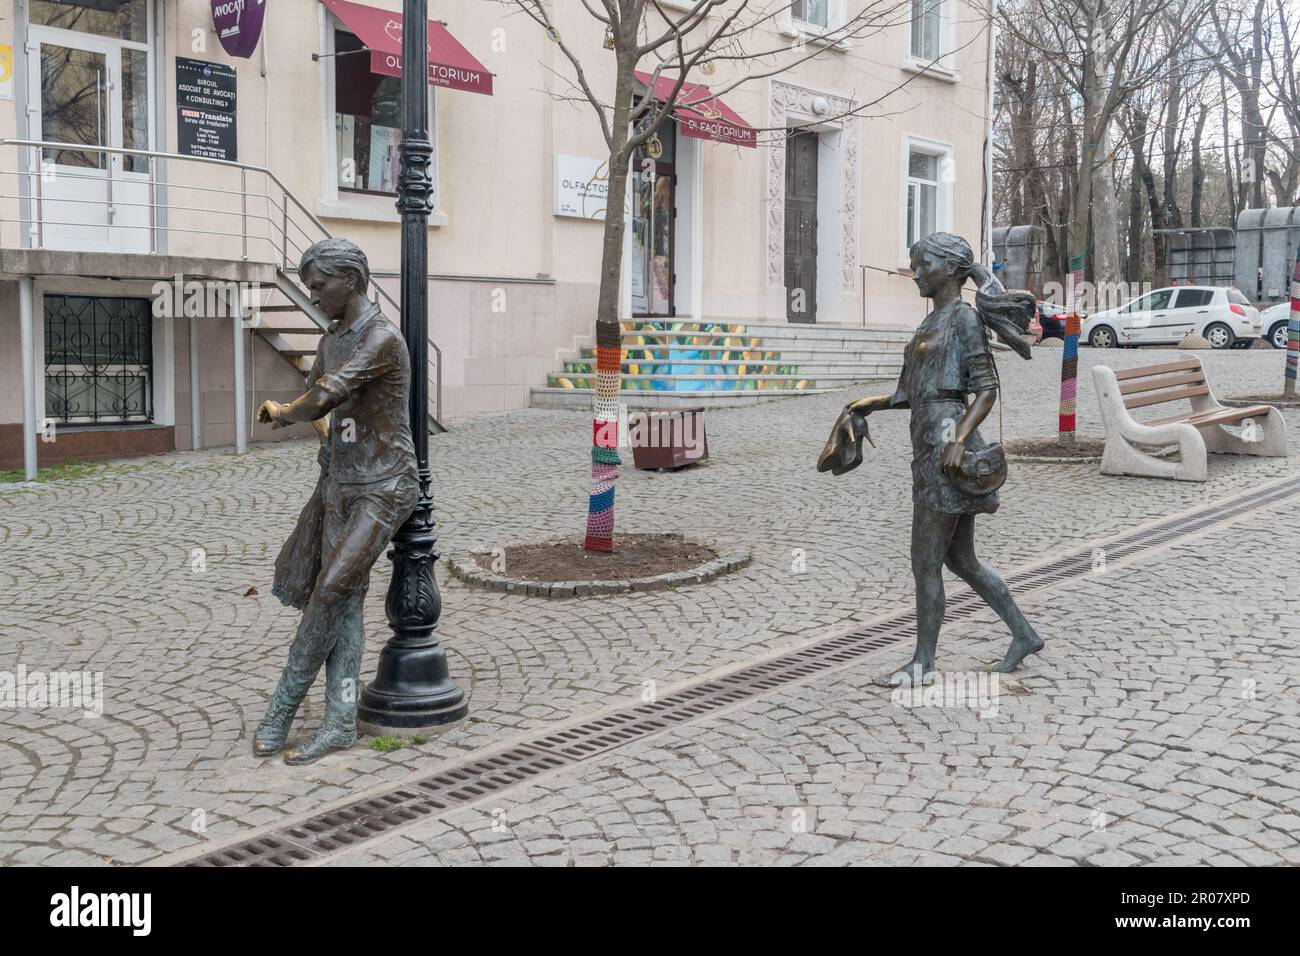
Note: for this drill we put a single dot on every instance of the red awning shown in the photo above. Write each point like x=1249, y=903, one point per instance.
x=701, y=114
x=450, y=64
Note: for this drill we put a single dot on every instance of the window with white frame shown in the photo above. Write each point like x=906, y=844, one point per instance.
x=813, y=12
x=818, y=18
x=930, y=33
x=926, y=199
x=363, y=117
x=367, y=120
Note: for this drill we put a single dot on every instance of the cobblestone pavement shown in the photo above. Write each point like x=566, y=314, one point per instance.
x=1133, y=738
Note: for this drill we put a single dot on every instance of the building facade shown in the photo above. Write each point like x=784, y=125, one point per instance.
x=178, y=168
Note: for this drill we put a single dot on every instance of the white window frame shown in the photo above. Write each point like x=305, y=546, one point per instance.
x=943, y=192
x=333, y=203
x=830, y=23
x=946, y=64
x=836, y=17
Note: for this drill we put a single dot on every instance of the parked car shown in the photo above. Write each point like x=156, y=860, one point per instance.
x=1049, y=323
x=1274, y=320
x=1223, y=316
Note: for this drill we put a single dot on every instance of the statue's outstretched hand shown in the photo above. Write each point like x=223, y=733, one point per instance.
x=865, y=406
x=843, y=451
x=268, y=412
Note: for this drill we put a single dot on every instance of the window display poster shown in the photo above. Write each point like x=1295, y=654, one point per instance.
x=345, y=126
x=384, y=158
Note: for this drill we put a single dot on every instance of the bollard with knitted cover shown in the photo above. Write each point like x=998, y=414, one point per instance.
x=1293, y=335
x=1069, y=380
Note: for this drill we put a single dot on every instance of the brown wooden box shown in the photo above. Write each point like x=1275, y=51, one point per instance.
x=659, y=437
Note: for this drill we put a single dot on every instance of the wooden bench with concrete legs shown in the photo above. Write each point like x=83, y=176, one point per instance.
x=1195, y=432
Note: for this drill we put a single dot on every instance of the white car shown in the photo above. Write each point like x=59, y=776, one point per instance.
x=1275, y=319
x=1223, y=316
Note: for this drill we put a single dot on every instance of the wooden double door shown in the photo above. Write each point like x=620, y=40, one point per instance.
x=801, y=227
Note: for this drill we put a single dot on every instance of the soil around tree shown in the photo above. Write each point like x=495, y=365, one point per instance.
x=1083, y=448
x=634, y=556
x=1050, y=451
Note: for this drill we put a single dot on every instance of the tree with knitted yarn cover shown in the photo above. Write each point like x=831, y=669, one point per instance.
x=671, y=46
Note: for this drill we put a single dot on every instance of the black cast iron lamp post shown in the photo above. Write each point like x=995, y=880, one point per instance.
x=412, y=686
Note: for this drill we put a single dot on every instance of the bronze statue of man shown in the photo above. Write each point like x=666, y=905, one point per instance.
x=361, y=379
x=955, y=473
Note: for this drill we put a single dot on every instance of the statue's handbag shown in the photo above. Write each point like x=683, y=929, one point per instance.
x=984, y=471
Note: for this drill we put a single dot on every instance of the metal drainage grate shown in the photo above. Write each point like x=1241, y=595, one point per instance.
x=471, y=781
x=365, y=819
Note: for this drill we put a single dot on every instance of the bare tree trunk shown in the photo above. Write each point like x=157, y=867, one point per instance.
x=1244, y=68
x=1069, y=192
x=1252, y=125
x=1142, y=173
x=1087, y=175
x=609, y=346
x=1234, y=207
x=1023, y=117
x=1198, y=169
x=1281, y=194
x=1105, y=219
x=1173, y=124
x=1133, y=273
x=611, y=256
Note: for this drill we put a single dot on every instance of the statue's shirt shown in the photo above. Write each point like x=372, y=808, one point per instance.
x=947, y=359
x=364, y=372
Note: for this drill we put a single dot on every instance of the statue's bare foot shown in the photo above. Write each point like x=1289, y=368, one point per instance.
x=1021, y=647
x=912, y=674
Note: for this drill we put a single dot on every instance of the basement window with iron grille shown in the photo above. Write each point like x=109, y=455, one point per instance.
x=98, y=360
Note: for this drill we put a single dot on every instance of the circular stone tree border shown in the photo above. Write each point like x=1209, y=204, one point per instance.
x=1021, y=459
x=465, y=568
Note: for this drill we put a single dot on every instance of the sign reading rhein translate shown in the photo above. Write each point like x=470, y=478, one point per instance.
x=205, y=109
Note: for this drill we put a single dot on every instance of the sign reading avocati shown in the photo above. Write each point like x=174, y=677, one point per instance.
x=238, y=24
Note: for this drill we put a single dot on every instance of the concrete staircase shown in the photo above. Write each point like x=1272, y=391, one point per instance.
x=291, y=325
x=670, y=363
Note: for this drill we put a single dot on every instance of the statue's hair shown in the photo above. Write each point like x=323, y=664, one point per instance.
x=1007, y=314
x=338, y=257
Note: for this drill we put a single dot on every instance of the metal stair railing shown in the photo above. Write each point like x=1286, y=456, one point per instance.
x=276, y=224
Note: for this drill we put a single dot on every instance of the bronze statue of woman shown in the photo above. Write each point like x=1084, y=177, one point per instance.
x=947, y=360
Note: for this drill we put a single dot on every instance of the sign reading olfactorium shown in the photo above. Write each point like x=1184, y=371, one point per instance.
x=205, y=109
x=581, y=187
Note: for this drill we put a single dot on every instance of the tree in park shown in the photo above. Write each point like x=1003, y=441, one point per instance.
x=729, y=43
x=1104, y=52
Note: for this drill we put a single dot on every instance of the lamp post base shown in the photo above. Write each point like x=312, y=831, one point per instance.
x=378, y=725
x=411, y=689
